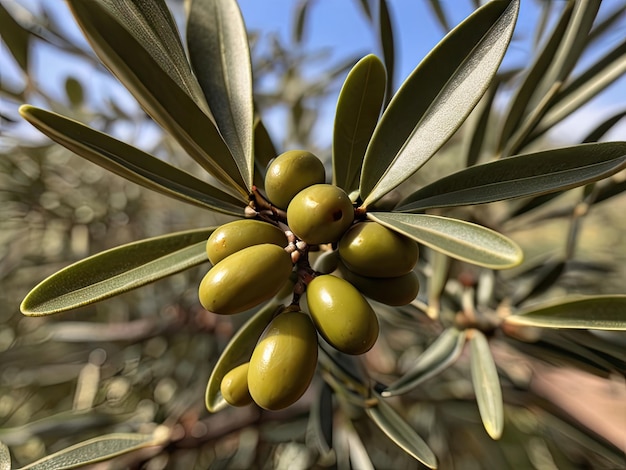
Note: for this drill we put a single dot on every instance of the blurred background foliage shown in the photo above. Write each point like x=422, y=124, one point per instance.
x=143, y=358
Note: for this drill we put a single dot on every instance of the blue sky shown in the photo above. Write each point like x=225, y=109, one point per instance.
x=340, y=26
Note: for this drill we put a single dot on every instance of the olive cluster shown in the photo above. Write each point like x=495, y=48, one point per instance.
x=254, y=259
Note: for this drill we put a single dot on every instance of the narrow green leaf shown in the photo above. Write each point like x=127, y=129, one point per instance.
x=15, y=37
x=442, y=353
x=399, y=431
x=524, y=175
x=436, y=98
x=551, y=81
x=593, y=313
x=358, y=109
x=456, y=238
x=581, y=90
x=518, y=107
x=264, y=151
x=387, y=44
x=486, y=385
x=119, y=48
x=237, y=352
x=130, y=162
x=584, y=439
x=598, y=132
x=219, y=53
x=5, y=457
x=569, y=50
x=152, y=25
x=320, y=427
x=117, y=270
x=435, y=5
x=606, y=24
x=301, y=14
x=94, y=450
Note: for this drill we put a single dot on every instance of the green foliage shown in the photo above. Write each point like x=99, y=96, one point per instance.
x=450, y=359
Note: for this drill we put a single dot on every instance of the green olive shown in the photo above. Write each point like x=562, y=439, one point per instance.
x=290, y=173
x=394, y=291
x=245, y=279
x=283, y=362
x=341, y=314
x=369, y=249
x=320, y=214
x=234, y=386
x=234, y=236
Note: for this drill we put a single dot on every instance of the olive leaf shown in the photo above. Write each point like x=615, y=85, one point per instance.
x=264, y=151
x=587, y=85
x=130, y=162
x=486, y=384
x=436, y=98
x=237, y=352
x=320, y=426
x=567, y=53
x=442, y=353
x=387, y=44
x=399, y=431
x=96, y=450
x=523, y=175
x=219, y=53
x=517, y=109
x=358, y=109
x=125, y=50
x=456, y=238
x=593, y=313
x=16, y=38
x=117, y=270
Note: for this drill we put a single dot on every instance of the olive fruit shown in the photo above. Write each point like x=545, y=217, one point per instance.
x=234, y=236
x=320, y=214
x=290, y=173
x=341, y=314
x=283, y=361
x=245, y=279
x=234, y=386
x=393, y=291
x=372, y=250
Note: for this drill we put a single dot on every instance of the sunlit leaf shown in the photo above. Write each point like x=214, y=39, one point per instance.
x=486, y=384
x=585, y=87
x=456, y=238
x=218, y=48
x=237, y=352
x=95, y=450
x=130, y=162
x=524, y=175
x=594, y=313
x=436, y=98
x=518, y=104
x=15, y=37
x=567, y=54
x=123, y=47
x=442, y=353
x=358, y=109
x=399, y=431
x=570, y=48
x=117, y=270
